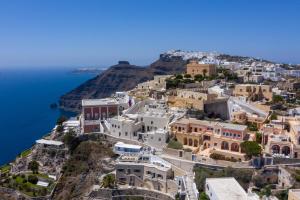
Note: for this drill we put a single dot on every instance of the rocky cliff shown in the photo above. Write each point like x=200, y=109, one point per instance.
x=120, y=77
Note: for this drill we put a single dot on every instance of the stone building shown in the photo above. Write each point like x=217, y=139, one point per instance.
x=254, y=92
x=187, y=98
x=194, y=67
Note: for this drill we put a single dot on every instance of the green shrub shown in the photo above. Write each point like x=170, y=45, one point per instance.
x=203, y=196
x=173, y=144
x=251, y=148
x=61, y=119
x=216, y=156
x=33, y=166
x=33, y=179
x=187, y=76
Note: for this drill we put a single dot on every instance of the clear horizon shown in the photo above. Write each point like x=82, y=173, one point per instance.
x=100, y=33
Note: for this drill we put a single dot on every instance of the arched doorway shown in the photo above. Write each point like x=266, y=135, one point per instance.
x=225, y=145
x=195, y=143
x=190, y=142
x=235, y=147
x=286, y=150
x=275, y=149
x=205, y=146
x=185, y=141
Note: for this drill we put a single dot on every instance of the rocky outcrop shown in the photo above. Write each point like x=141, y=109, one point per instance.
x=120, y=77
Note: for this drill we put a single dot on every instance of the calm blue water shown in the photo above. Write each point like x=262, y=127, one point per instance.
x=25, y=97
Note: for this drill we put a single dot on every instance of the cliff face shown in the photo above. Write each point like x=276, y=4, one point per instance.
x=120, y=77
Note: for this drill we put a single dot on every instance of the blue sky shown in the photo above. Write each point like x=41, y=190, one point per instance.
x=79, y=33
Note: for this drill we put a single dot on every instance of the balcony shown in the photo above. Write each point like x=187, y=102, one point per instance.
x=92, y=122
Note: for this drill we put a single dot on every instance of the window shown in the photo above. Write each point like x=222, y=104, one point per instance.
x=159, y=139
x=141, y=119
x=160, y=176
x=151, y=122
x=121, y=170
x=126, y=133
x=134, y=134
x=137, y=170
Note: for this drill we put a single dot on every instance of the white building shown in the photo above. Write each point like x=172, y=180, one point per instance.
x=122, y=148
x=226, y=188
x=72, y=124
x=156, y=139
x=126, y=126
x=148, y=123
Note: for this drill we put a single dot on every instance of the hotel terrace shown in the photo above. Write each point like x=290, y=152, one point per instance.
x=223, y=138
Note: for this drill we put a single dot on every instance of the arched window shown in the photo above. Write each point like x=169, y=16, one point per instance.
x=286, y=150
x=275, y=149
x=235, y=147
x=225, y=145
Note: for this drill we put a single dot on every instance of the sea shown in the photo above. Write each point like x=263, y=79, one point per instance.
x=25, y=98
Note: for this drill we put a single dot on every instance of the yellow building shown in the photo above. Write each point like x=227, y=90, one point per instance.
x=194, y=67
x=184, y=98
x=254, y=92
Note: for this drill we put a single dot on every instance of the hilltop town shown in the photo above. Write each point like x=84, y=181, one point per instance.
x=192, y=125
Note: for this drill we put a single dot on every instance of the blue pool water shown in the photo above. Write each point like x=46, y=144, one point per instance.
x=25, y=98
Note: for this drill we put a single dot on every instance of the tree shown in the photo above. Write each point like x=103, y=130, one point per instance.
x=252, y=126
x=251, y=148
x=59, y=128
x=109, y=181
x=61, y=119
x=277, y=99
x=187, y=76
x=179, y=76
x=203, y=196
x=32, y=179
x=258, y=137
x=33, y=166
x=273, y=116
x=198, y=77
x=71, y=140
